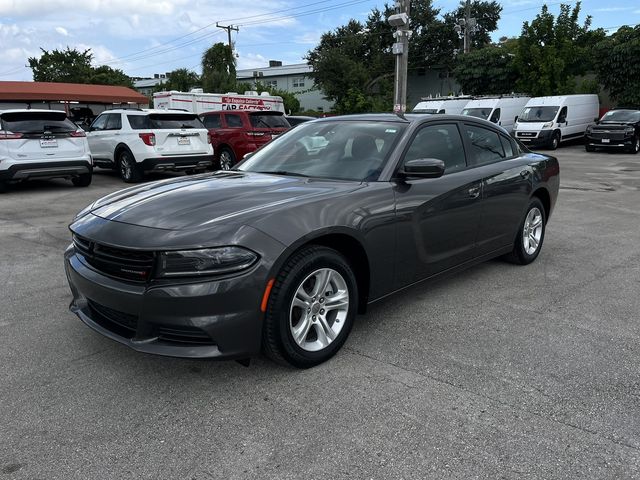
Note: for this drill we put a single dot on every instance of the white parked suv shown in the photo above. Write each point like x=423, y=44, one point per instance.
x=42, y=144
x=135, y=141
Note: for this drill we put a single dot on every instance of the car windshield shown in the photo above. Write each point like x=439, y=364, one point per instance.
x=37, y=122
x=481, y=112
x=425, y=110
x=268, y=120
x=623, y=116
x=345, y=150
x=538, y=114
x=164, y=121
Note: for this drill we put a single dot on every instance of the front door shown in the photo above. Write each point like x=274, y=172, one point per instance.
x=437, y=218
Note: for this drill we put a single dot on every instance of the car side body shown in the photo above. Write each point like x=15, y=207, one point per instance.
x=395, y=231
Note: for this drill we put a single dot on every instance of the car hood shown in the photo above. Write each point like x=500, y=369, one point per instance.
x=208, y=199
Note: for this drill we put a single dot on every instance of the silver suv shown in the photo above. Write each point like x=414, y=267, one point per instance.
x=42, y=144
x=136, y=141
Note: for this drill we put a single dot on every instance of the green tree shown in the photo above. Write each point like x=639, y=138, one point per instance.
x=218, y=69
x=488, y=70
x=617, y=63
x=105, y=75
x=553, y=51
x=181, y=80
x=355, y=60
x=71, y=66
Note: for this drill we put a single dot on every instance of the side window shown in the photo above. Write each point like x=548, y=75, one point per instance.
x=114, y=122
x=486, y=146
x=495, y=116
x=438, y=141
x=212, y=121
x=233, y=120
x=99, y=123
x=507, y=146
x=138, y=122
x=562, y=116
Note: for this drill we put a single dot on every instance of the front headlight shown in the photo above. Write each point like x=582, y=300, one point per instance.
x=548, y=125
x=629, y=130
x=208, y=261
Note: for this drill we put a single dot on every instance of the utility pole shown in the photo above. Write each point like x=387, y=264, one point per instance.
x=400, y=49
x=466, y=26
x=228, y=28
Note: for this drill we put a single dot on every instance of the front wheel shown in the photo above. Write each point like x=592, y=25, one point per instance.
x=82, y=180
x=311, y=308
x=635, y=148
x=590, y=148
x=530, y=235
x=555, y=141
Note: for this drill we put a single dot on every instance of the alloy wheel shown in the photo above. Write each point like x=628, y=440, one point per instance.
x=225, y=160
x=319, y=309
x=125, y=167
x=532, y=231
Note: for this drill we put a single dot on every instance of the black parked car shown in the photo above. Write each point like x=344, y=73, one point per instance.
x=280, y=253
x=619, y=129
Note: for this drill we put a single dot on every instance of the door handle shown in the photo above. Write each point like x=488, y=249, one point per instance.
x=474, y=192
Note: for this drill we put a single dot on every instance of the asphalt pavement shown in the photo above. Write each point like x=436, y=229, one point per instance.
x=501, y=371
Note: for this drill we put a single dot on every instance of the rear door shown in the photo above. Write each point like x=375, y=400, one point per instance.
x=36, y=136
x=506, y=185
x=438, y=218
x=179, y=134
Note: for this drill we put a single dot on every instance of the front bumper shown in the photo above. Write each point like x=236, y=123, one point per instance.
x=177, y=163
x=542, y=139
x=208, y=319
x=45, y=170
x=625, y=142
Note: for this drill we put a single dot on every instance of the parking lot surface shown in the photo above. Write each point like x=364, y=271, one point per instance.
x=501, y=371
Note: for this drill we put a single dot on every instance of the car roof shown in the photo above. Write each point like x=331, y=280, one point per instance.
x=147, y=111
x=24, y=110
x=407, y=118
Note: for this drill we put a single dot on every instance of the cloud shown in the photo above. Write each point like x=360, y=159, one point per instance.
x=612, y=9
x=62, y=31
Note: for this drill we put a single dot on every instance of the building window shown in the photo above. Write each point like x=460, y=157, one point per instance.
x=298, y=82
x=272, y=84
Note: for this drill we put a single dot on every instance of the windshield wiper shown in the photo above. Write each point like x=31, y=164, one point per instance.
x=284, y=172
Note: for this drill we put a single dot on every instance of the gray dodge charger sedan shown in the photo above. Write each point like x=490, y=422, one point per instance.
x=280, y=253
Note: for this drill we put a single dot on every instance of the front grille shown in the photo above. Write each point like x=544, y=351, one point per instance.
x=120, y=323
x=130, y=265
x=527, y=134
x=611, y=134
x=126, y=325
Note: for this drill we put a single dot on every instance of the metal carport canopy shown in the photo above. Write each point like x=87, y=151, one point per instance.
x=68, y=92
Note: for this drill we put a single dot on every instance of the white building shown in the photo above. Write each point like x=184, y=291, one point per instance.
x=295, y=79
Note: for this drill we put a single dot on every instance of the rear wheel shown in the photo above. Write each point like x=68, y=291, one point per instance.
x=311, y=308
x=227, y=159
x=128, y=168
x=530, y=234
x=83, y=180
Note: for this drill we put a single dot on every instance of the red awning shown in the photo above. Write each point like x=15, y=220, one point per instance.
x=70, y=92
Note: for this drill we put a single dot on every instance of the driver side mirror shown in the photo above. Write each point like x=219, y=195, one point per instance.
x=423, y=168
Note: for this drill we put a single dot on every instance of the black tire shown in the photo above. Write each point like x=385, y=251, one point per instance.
x=519, y=254
x=83, y=180
x=277, y=340
x=555, y=140
x=3, y=187
x=635, y=148
x=589, y=148
x=226, y=158
x=129, y=170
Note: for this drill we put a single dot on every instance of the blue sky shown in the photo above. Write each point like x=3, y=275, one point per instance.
x=143, y=37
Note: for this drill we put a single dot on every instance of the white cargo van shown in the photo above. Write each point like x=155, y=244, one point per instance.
x=448, y=105
x=548, y=121
x=502, y=110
